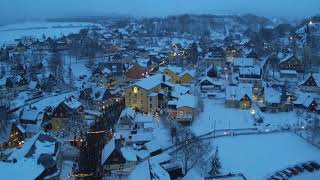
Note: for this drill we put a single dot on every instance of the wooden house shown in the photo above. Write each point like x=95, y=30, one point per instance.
x=115, y=156
x=99, y=78
x=136, y=72
x=239, y=96
x=311, y=83
x=68, y=109
x=290, y=62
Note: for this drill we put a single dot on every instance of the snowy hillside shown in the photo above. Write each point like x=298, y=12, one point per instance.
x=9, y=33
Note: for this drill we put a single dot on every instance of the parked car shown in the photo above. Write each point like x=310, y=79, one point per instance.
x=274, y=177
x=315, y=165
x=282, y=175
x=299, y=168
x=308, y=167
x=287, y=173
x=293, y=171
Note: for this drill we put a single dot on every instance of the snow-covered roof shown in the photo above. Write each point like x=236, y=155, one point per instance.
x=315, y=76
x=179, y=90
x=152, y=146
x=292, y=72
x=255, y=70
x=106, y=71
x=72, y=102
x=107, y=150
x=141, y=118
x=243, y=62
x=129, y=153
x=271, y=95
x=305, y=99
x=175, y=69
x=143, y=62
x=151, y=81
x=187, y=100
x=147, y=168
x=238, y=92
x=128, y=112
x=31, y=114
x=32, y=85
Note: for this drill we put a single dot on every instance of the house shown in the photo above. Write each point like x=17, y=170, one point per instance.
x=290, y=62
x=69, y=109
x=33, y=85
x=148, y=95
x=307, y=101
x=239, y=96
x=11, y=134
x=95, y=97
x=215, y=57
x=212, y=72
x=116, y=156
x=251, y=75
x=209, y=84
x=275, y=100
x=242, y=62
x=99, y=78
x=186, y=109
x=186, y=77
x=126, y=119
x=172, y=72
x=136, y=72
x=288, y=74
x=39, y=158
x=311, y=83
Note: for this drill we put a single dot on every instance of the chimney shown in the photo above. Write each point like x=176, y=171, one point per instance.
x=163, y=78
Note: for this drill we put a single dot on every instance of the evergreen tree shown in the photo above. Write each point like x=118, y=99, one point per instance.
x=215, y=164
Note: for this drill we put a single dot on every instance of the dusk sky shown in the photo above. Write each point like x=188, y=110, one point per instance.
x=21, y=9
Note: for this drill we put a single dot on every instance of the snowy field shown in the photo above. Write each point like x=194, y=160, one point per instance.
x=224, y=118
x=257, y=156
x=9, y=33
x=216, y=114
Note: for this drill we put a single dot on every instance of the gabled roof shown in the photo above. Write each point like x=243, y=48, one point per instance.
x=152, y=81
x=72, y=103
x=315, y=76
x=271, y=95
x=236, y=93
x=107, y=150
x=187, y=100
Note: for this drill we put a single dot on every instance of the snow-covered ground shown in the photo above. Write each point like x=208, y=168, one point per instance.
x=9, y=33
x=257, y=156
x=215, y=114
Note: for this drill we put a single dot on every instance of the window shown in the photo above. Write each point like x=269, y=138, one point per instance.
x=150, y=105
x=135, y=90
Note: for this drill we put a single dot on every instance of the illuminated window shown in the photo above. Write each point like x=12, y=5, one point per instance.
x=135, y=90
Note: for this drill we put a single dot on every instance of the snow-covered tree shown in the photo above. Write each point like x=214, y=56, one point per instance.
x=215, y=164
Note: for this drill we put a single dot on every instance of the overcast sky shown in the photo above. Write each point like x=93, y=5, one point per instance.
x=21, y=9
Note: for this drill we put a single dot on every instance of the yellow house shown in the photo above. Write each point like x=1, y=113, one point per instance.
x=149, y=94
x=177, y=74
x=185, y=77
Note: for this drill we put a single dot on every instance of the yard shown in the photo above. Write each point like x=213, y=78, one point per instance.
x=257, y=156
x=215, y=114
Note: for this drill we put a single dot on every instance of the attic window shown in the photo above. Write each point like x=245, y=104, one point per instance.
x=135, y=90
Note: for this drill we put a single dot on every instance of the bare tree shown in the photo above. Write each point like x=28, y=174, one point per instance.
x=190, y=150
